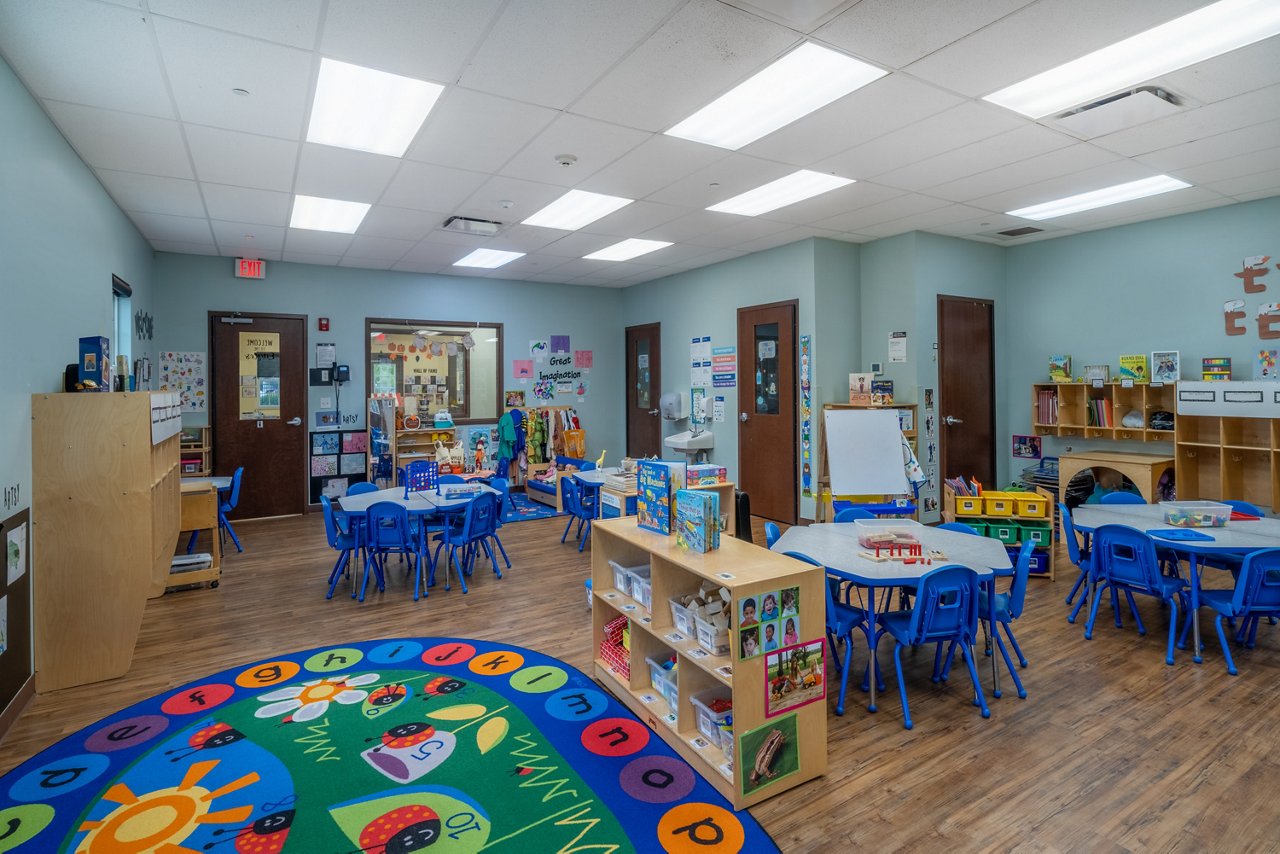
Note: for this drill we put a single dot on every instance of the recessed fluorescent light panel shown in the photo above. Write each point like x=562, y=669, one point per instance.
x=488, y=258
x=807, y=79
x=627, y=249
x=788, y=190
x=1101, y=198
x=575, y=209
x=367, y=110
x=1205, y=33
x=319, y=214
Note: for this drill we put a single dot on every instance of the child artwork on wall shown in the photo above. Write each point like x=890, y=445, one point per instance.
x=522, y=369
x=768, y=753
x=1265, y=367
x=539, y=348
x=1027, y=447
x=1165, y=366
x=514, y=399
x=324, y=443
x=322, y=466
x=544, y=390
x=559, y=343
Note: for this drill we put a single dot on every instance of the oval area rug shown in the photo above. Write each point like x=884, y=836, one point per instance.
x=386, y=747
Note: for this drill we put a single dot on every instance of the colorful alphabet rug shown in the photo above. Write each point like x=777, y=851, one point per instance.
x=384, y=747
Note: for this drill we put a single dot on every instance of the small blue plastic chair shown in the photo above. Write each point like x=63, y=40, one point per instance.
x=466, y=539
x=502, y=471
x=344, y=542
x=503, y=486
x=842, y=619
x=361, y=488
x=945, y=612
x=486, y=528
x=771, y=534
x=959, y=528
x=1079, y=558
x=1256, y=595
x=386, y=526
x=571, y=500
x=1124, y=559
x=1122, y=498
x=1008, y=607
x=225, y=507
x=853, y=514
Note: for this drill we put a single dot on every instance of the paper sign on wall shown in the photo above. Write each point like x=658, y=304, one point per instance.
x=897, y=346
x=583, y=359
x=522, y=368
x=539, y=348
x=717, y=409
x=559, y=343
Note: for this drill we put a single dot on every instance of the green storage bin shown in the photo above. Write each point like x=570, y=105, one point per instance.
x=1006, y=532
x=977, y=525
x=1036, y=532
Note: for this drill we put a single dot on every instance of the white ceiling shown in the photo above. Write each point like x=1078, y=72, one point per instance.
x=142, y=89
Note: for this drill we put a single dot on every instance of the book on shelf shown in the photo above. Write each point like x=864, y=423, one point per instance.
x=1134, y=367
x=1060, y=369
x=1046, y=407
x=697, y=520
x=1101, y=414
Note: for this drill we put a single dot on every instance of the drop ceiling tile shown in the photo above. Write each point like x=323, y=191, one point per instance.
x=1012, y=146
x=717, y=256
x=1242, y=70
x=577, y=244
x=204, y=65
x=434, y=255
x=180, y=229
x=106, y=139
x=1165, y=204
x=526, y=198
x=266, y=238
x=476, y=131
x=691, y=226
x=181, y=248
x=895, y=34
x=1148, y=216
x=886, y=211
x=1231, y=167
x=382, y=248
x=1064, y=161
x=249, y=251
x=530, y=265
x=1106, y=175
x=721, y=180
x=349, y=260
x=983, y=224
x=85, y=53
x=1257, y=186
x=340, y=173
x=1015, y=47
x=290, y=22
x=745, y=230
x=1251, y=108
x=429, y=41
x=927, y=138
x=242, y=204
x=316, y=258
x=399, y=223
x=783, y=238
x=1217, y=147
x=924, y=221
x=576, y=267
x=551, y=278
x=242, y=159
x=655, y=163
x=842, y=200
x=526, y=238
x=302, y=240
x=677, y=255
x=635, y=218
x=1269, y=192
x=422, y=186
x=531, y=55
x=595, y=144
x=152, y=194
x=879, y=108
x=702, y=51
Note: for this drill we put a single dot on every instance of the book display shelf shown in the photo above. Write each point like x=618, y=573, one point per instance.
x=1089, y=411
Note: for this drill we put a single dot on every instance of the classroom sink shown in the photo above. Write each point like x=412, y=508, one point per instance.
x=691, y=442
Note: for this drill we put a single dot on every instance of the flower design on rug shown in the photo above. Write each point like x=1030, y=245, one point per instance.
x=310, y=700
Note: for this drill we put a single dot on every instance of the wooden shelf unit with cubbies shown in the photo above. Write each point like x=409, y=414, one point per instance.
x=419, y=444
x=195, y=452
x=1063, y=409
x=1228, y=457
x=745, y=570
x=1005, y=516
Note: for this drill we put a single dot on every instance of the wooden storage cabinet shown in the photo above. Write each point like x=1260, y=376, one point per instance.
x=746, y=570
x=1062, y=409
x=1044, y=552
x=105, y=517
x=1229, y=457
x=410, y=445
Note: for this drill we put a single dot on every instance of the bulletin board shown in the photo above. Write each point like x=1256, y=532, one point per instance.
x=15, y=606
x=864, y=452
x=338, y=459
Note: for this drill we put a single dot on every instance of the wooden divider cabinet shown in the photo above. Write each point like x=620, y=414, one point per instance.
x=105, y=514
x=743, y=570
x=1011, y=518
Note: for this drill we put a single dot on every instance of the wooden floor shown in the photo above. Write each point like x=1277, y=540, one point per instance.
x=1112, y=750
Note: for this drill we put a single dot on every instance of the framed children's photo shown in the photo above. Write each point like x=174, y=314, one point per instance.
x=1027, y=447
x=1165, y=367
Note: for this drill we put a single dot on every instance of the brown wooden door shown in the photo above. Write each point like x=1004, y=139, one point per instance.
x=260, y=409
x=644, y=384
x=966, y=397
x=767, y=409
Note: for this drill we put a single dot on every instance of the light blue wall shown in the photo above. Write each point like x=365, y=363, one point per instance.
x=190, y=286
x=837, y=283
x=61, y=239
x=1156, y=285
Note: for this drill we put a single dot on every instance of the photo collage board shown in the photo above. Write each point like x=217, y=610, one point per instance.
x=339, y=458
x=768, y=622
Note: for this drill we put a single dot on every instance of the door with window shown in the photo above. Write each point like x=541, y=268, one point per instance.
x=644, y=383
x=767, y=469
x=260, y=409
x=966, y=390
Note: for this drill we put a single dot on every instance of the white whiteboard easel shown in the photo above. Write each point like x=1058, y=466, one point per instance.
x=864, y=452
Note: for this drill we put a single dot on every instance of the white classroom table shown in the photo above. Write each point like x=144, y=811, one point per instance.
x=420, y=503
x=222, y=484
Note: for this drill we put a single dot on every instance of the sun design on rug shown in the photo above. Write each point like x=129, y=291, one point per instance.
x=161, y=819
x=310, y=700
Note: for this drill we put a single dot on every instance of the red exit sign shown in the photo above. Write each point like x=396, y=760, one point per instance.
x=251, y=268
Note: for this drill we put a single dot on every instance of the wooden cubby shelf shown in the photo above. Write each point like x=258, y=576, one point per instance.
x=1063, y=409
x=745, y=570
x=1043, y=565
x=1228, y=457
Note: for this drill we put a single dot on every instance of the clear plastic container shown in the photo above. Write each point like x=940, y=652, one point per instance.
x=682, y=619
x=665, y=682
x=886, y=532
x=1196, y=514
x=622, y=576
x=709, y=721
x=714, y=641
x=641, y=588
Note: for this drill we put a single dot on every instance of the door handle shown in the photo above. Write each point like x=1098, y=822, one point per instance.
x=295, y=421
x=653, y=412
x=742, y=416
x=951, y=420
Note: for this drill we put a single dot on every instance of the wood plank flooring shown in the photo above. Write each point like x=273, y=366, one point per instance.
x=1112, y=750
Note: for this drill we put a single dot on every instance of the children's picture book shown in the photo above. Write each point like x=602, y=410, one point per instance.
x=697, y=520
x=882, y=392
x=657, y=482
x=1215, y=368
x=1134, y=367
x=1265, y=366
x=860, y=389
x=1060, y=369
x=1165, y=366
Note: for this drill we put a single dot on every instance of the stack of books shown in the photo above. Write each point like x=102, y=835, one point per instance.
x=1216, y=368
x=1046, y=407
x=620, y=481
x=1100, y=414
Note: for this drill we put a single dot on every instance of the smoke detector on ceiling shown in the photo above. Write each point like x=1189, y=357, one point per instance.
x=472, y=226
x=1117, y=112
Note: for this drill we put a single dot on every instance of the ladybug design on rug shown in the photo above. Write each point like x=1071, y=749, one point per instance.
x=408, y=751
x=207, y=738
x=266, y=835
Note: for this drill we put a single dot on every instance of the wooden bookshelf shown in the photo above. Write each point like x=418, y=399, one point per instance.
x=1068, y=414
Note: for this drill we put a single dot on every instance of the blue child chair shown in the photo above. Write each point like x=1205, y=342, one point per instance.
x=1124, y=560
x=771, y=534
x=945, y=611
x=959, y=528
x=465, y=539
x=361, y=488
x=571, y=500
x=387, y=532
x=344, y=542
x=1122, y=498
x=842, y=619
x=1008, y=607
x=225, y=507
x=1079, y=558
x=1256, y=595
x=853, y=514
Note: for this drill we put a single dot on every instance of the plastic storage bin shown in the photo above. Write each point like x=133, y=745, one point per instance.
x=1030, y=505
x=682, y=619
x=1006, y=532
x=1036, y=532
x=997, y=503
x=665, y=682
x=622, y=576
x=1038, y=562
x=713, y=641
x=873, y=532
x=1196, y=514
x=640, y=586
x=968, y=505
x=977, y=525
x=709, y=721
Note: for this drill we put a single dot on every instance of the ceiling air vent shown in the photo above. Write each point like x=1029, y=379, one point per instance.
x=472, y=226
x=1117, y=112
x=1020, y=232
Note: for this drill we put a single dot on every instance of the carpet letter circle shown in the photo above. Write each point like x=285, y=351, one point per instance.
x=23, y=823
x=442, y=655
x=333, y=660
x=126, y=733
x=497, y=663
x=657, y=779
x=395, y=652
x=269, y=673
x=615, y=737
x=701, y=828
x=59, y=777
x=577, y=704
x=539, y=679
x=201, y=698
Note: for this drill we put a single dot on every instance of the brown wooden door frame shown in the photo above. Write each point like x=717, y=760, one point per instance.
x=746, y=403
x=943, y=462
x=655, y=387
x=214, y=319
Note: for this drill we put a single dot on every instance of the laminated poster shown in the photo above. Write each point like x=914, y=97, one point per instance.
x=184, y=372
x=16, y=552
x=559, y=343
x=794, y=676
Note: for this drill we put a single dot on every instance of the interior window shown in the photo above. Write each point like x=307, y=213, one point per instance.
x=438, y=365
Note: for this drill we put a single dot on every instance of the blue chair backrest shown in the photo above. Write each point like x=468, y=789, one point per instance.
x=1021, y=572
x=330, y=524
x=1258, y=588
x=234, y=499
x=361, y=488
x=420, y=475
x=482, y=517
x=853, y=514
x=959, y=528
x=946, y=605
x=502, y=467
x=502, y=485
x=1126, y=554
x=570, y=496
x=771, y=534
x=387, y=525
x=1122, y=498
x=1243, y=507
x=1069, y=534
